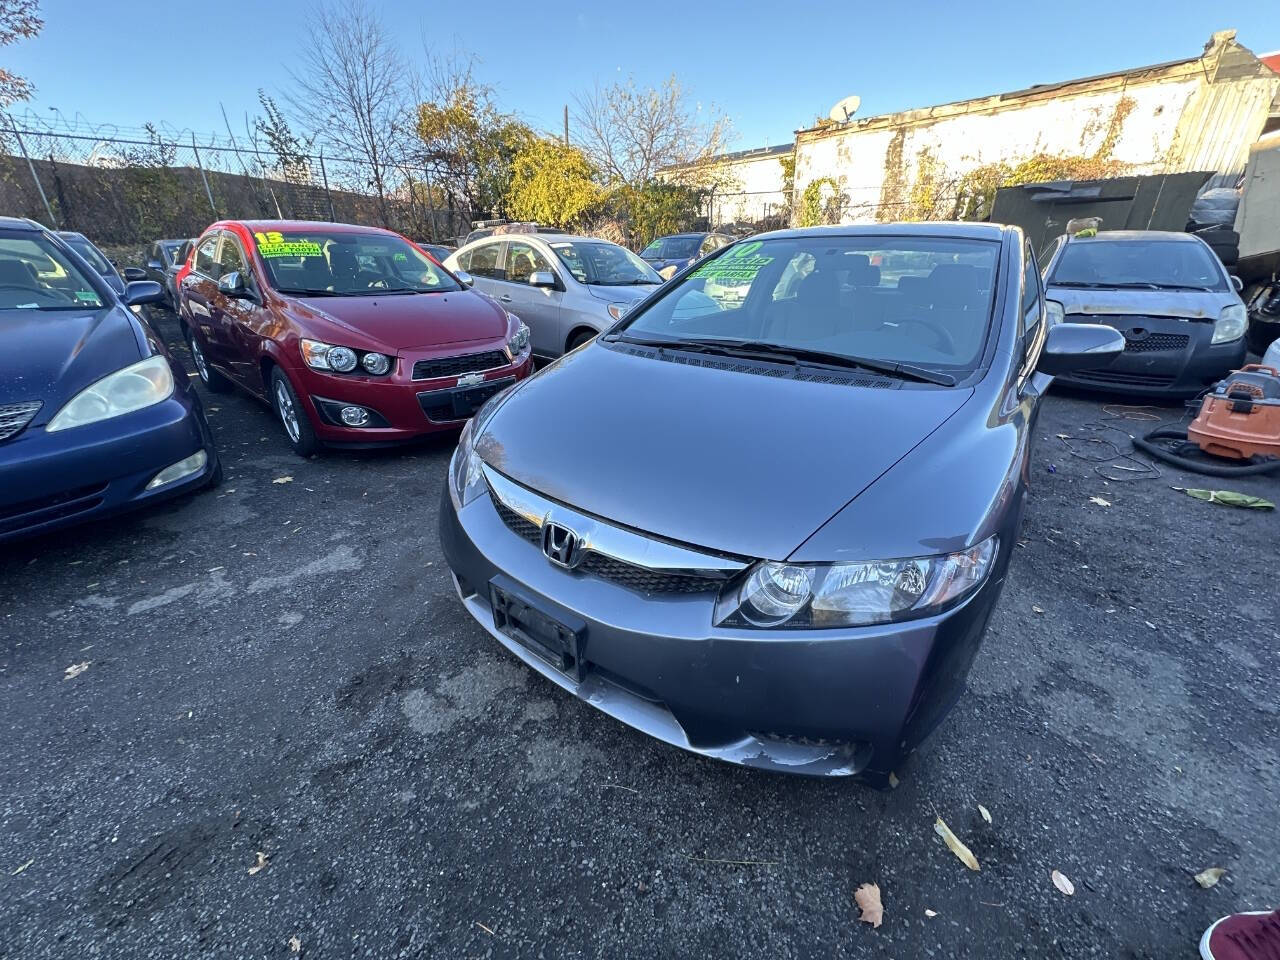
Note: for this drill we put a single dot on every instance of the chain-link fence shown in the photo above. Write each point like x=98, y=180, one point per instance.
x=134, y=185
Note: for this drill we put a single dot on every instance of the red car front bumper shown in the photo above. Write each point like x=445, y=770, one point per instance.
x=401, y=406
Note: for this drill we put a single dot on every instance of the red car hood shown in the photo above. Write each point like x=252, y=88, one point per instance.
x=400, y=321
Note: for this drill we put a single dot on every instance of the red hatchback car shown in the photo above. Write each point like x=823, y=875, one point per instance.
x=352, y=334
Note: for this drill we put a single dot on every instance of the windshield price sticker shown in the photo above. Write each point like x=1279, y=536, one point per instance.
x=273, y=244
x=739, y=266
x=88, y=296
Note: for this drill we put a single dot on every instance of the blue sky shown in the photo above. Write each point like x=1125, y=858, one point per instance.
x=771, y=67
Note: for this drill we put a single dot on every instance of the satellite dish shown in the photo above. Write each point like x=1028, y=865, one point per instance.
x=845, y=109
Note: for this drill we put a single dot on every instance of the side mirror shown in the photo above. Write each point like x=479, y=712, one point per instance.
x=232, y=284
x=154, y=265
x=464, y=278
x=139, y=292
x=1237, y=283
x=133, y=273
x=1079, y=346
x=542, y=278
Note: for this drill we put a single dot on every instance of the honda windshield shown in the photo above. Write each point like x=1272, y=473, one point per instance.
x=1138, y=264
x=324, y=263
x=604, y=264
x=916, y=304
x=37, y=275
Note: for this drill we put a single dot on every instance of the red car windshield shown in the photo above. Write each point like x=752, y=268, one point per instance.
x=319, y=263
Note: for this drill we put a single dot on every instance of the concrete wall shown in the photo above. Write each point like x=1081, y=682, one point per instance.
x=753, y=189
x=1197, y=114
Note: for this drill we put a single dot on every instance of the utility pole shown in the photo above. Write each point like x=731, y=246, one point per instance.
x=53, y=221
x=566, y=124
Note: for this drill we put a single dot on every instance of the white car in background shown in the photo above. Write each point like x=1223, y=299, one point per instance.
x=565, y=288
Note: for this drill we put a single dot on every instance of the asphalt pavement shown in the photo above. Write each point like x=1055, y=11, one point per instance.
x=284, y=737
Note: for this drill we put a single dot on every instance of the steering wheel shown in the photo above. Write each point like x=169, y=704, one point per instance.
x=941, y=334
x=55, y=295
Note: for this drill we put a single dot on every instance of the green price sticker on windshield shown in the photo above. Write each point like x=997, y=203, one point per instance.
x=273, y=244
x=737, y=267
x=88, y=296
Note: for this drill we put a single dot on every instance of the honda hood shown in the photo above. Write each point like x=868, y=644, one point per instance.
x=1182, y=304
x=717, y=458
x=400, y=321
x=51, y=355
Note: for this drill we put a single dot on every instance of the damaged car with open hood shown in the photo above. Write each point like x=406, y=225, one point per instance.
x=771, y=528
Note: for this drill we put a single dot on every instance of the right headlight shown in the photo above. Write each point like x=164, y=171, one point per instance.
x=1230, y=324
x=1053, y=312
x=856, y=594
x=138, y=385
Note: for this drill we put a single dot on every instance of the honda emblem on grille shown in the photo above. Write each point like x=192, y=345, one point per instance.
x=470, y=379
x=561, y=545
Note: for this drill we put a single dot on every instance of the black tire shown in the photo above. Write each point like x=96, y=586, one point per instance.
x=210, y=377
x=293, y=416
x=579, y=338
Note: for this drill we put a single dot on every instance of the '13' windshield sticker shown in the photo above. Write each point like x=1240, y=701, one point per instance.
x=273, y=244
x=88, y=296
x=737, y=267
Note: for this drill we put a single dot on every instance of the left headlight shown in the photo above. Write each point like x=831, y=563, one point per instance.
x=856, y=594
x=138, y=385
x=1231, y=323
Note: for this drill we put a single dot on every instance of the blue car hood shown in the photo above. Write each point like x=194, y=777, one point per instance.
x=730, y=461
x=52, y=355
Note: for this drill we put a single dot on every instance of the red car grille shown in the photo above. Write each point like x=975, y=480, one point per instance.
x=456, y=366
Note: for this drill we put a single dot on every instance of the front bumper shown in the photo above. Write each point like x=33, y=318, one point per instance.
x=50, y=480
x=1163, y=357
x=403, y=408
x=818, y=702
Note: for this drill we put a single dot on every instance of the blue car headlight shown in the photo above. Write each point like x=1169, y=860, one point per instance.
x=855, y=594
x=135, y=387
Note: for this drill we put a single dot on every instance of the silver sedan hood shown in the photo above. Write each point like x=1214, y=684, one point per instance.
x=717, y=458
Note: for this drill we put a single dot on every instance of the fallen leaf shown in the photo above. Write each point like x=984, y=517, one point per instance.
x=953, y=843
x=1036, y=609
x=867, y=897
x=283, y=480
x=986, y=814
x=75, y=670
x=893, y=780
x=295, y=944
x=931, y=913
x=23, y=867
x=1210, y=877
x=1062, y=883
x=1100, y=502
x=260, y=865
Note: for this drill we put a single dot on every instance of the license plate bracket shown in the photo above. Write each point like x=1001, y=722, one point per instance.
x=554, y=635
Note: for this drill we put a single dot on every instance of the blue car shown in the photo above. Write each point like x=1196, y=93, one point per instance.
x=95, y=416
x=669, y=255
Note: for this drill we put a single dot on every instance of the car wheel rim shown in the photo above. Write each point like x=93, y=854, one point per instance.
x=288, y=415
x=198, y=357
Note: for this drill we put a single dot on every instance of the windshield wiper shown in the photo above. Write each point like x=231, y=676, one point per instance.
x=784, y=353
x=309, y=292
x=627, y=283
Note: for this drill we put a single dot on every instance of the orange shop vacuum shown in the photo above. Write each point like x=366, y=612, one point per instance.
x=1236, y=433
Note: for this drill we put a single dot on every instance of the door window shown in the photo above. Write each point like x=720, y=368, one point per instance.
x=523, y=261
x=230, y=259
x=205, y=262
x=1030, y=295
x=486, y=261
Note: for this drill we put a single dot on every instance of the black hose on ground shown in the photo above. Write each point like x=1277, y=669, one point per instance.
x=1147, y=445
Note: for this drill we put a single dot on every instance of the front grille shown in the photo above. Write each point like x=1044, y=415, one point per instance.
x=644, y=580
x=1118, y=378
x=15, y=416
x=456, y=366
x=31, y=513
x=607, y=568
x=1157, y=342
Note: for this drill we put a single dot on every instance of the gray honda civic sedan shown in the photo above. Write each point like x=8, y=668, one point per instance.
x=766, y=517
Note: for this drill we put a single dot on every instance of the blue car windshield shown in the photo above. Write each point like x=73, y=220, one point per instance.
x=917, y=300
x=37, y=275
x=1101, y=262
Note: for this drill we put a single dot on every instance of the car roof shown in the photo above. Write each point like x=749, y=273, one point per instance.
x=1132, y=235
x=19, y=223
x=959, y=230
x=73, y=235
x=317, y=225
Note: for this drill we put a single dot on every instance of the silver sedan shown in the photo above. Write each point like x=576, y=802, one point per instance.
x=565, y=288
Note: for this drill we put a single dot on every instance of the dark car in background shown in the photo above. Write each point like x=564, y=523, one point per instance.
x=161, y=260
x=1179, y=311
x=174, y=271
x=772, y=529
x=95, y=416
x=437, y=250
x=671, y=254
x=351, y=334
